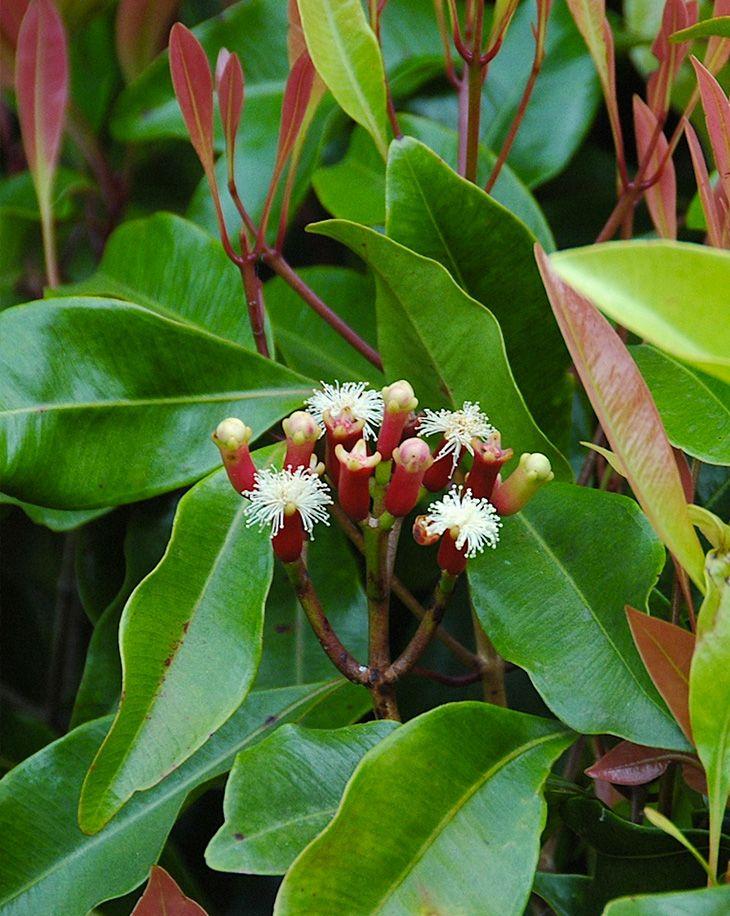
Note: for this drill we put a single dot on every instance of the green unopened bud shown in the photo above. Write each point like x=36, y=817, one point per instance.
x=231, y=434
x=517, y=490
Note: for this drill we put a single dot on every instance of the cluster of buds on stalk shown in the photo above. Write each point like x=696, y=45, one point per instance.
x=377, y=460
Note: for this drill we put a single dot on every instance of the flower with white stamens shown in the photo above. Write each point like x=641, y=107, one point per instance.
x=351, y=400
x=473, y=523
x=457, y=427
x=277, y=494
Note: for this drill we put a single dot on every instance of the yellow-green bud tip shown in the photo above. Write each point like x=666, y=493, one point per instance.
x=232, y=433
x=301, y=427
x=536, y=467
x=399, y=397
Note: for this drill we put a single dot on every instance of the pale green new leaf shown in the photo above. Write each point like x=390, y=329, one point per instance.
x=346, y=55
x=709, y=901
x=673, y=294
x=709, y=691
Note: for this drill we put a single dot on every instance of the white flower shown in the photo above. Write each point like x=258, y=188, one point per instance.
x=350, y=397
x=277, y=493
x=476, y=520
x=458, y=428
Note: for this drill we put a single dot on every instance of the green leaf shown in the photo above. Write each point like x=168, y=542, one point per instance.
x=414, y=296
x=354, y=187
x=292, y=654
x=489, y=253
x=306, y=342
x=44, y=856
x=694, y=407
x=709, y=901
x=719, y=26
x=58, y=520
x=469, y=808
x=172, y=267
x=283, y=793
x=346, y=54
x=567, y=895
x=127, y=397
x=628, y=859
x=190, y=640
x=18, y=198
x=551, y=597
x=709, y=692
x=145, y=540
x=673, y=294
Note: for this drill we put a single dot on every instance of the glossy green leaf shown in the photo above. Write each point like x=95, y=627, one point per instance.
x=145, y=540
x=628, y=415
x=55, y=519
x=628, y=859
x=563, y=103
x=284, y=792
x=720, y=26
x=306, y=342
x=708, y=901
x=346, y=54
x=694, y=407
x=170, y=266
x=440, y=836
x=489, y=253
x=45, y=858
x=18, y=198
x=292, y=654
x=127, y=397
x=414, y=296
x=709, y=692
x=552, y=596
x=204, y=602
x=354, y=187
x=567, y=895
x=673, y=294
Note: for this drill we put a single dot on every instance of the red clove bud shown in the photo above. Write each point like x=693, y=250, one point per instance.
x=489, y=457
x=412, y=460
x=232, y=438
x=356, y=469
x=302, y=432
x=399, y=402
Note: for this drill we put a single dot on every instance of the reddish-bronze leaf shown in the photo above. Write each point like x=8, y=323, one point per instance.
x=193, y=84
x=677, y=15
x=41, y=85
x=717, y=117
x=162, y=897
x=296, y=99
x=230, y=89
x=718, y=47
x=630, y=764
x=140, y=30
x=666, y=651
x=661, y=197
x=296, y=42
x=705, y=189
x=628, y=415
x=694, y=776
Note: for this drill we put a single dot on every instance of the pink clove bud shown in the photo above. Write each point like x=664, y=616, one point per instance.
x=517, y=490
x=342, y=430
x=302, y=432
x=412, y=460
x=489, y=457
x=232, y=438
x=399, y=402
x=356, y=469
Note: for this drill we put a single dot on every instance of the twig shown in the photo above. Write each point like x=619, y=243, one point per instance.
x=493, y=666
x=450, y=680
x=276, y=261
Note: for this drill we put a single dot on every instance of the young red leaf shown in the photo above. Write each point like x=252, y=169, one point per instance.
x=630, y=764
x=718, y=47
x=677, y=15
x=296, y=99
x=661, y=197
x=296, y=43
x=230, y=89
x=193, y=84
x=704, y=187
x=162, y=897
x=628, y=415
x=11, y=15
x=140, y=30
x=41, y=84
x=666, y=651
x=717, y=117
x=694, y=776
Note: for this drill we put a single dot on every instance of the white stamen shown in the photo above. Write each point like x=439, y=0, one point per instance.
x=475, y=519
x=275, y=491
x=458, y=428
x=350, y=396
